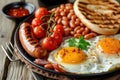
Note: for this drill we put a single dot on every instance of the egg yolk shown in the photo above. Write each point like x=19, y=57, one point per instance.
x=110, y=45
x=70, y=55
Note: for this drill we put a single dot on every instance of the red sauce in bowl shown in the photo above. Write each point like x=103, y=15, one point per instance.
x=18, y=12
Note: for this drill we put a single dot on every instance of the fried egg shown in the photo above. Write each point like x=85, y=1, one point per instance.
x=102, y=55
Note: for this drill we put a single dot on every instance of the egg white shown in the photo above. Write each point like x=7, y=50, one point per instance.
x=108, y=61
x=96, y=61
x=73, y=68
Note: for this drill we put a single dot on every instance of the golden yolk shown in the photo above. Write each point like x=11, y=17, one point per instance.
x=110, y=45
x=70, y=55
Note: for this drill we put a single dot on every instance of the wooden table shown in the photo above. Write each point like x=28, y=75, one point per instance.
x=14, y=70
x=11, y=70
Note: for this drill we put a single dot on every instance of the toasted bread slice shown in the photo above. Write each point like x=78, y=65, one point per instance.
x=101, y=16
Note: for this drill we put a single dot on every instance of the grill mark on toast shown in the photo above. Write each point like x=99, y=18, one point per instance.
x=88, y=11
x=105, y=22
x=109, y=26
x=97, y=18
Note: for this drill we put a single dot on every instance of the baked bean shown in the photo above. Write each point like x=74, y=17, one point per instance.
x=72, y=24
x=65, y=22
x=66, y=11
x=86, y=29
x=57, y=9
x=76, y=28
x=93, y=34
x=77, y=22
x=73, y=17
x=60, y=10
x=64, y=18
x=69, y=6
x=72, y=11
x=77, y=19
x=84, y=32
x=62, y=13
x=87, y=36
x=56, y=18
x=90, y=35
x=77, y=35
x=65, y=26
x=81, y=24
x=59, y=21
x=57, y=14
x=67, y=31
x=62, y=6
x=79, y=31
x=69, y=15
x=72, y=32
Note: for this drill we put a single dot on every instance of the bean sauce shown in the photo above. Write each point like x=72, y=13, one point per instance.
x=18, y=12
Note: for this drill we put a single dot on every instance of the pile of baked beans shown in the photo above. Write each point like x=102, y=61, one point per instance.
x=64, y=14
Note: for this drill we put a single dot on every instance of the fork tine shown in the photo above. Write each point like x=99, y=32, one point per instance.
x=9, y=48
x=9, y=51
x=6, y=52
x=11, y=45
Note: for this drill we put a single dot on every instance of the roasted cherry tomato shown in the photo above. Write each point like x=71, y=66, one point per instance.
x=36, y=22
x=49, y=43
x=39, y=32
x=58, y=37
x=59, y=28
x=40, y=12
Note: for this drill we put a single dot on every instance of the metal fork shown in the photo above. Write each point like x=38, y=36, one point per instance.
x=9, y=51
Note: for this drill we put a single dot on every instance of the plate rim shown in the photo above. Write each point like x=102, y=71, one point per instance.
x=16, y=36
